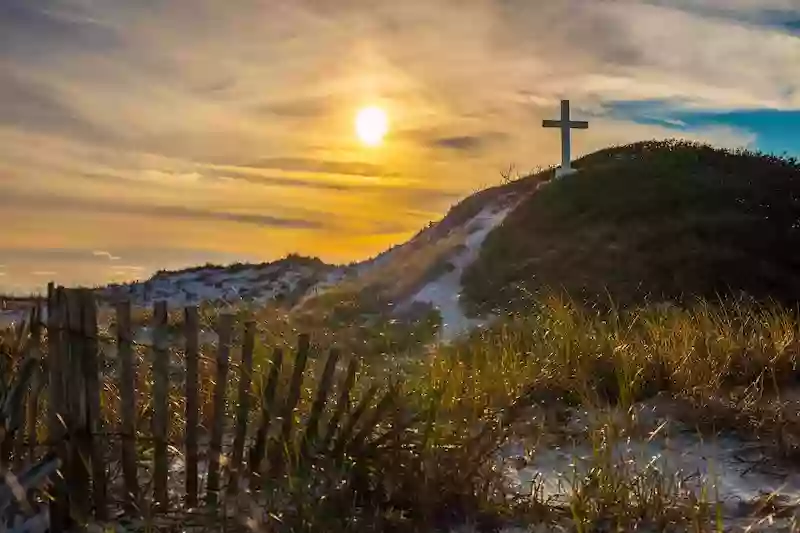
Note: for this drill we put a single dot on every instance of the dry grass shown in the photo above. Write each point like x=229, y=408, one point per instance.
x=730, y=366
x=724, y=367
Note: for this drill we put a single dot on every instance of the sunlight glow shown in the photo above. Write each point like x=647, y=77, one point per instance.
x=372, y=125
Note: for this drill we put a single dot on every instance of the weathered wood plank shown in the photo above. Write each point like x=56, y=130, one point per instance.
x=342, y=404
x=94, y=417
x=321, y=398
x=243, y=408
x=79, y=457
x=37, y=385
x=160, y=403
x=215, y=445
x=56, y=416
x=28, y=350
x=192, y=333
x=344, y=436
x=127, y=387
x=292, y=399
x=370, y=424
x=267, y=408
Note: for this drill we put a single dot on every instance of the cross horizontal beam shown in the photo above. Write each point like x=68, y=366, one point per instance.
x=573, y=124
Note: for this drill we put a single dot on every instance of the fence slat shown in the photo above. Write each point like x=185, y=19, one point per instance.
x=160, y=403
x=38, y=382
x=24, y=344
x=59, y=504
x=79, y=458
x=323, y=391
x=267, y=407
x=355, y=416
x=215, y=445
x=28, y=350
x=342, y=404
x=10, y=444
x=243, y=409
x=292, y=398
x=94, y=422
x=127, y=380
x=32, y=410
x=192, y=332
x=371, y=423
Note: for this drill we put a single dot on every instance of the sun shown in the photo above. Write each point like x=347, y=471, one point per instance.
x=372, y=125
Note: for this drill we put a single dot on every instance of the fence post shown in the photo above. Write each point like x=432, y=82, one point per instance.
x=323, y=391
x=56, y=349
x=38, y=382
x=77, y=423
x=344, y=435
x=267, y=406
x=191, y=330
x=30, y=349
x=293, y=396
x=160, y=403
x=243, y=409
x=127, y=388
x=342, y=404
x=94, y=418
x=215, y=451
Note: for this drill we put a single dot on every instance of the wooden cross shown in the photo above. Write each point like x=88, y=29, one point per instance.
x=566, y=125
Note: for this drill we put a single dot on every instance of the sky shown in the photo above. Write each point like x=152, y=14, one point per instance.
x=167, y=133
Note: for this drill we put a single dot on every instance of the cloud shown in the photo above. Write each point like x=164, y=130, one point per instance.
x=114, y=207
x=466, y=143
x=297, y=108
x=15, y=255
x=302, y=164
x=128, y=268
x=753, y=11
x=257, y=177
x=145, y=176
x=107, y=255
x=32, y=105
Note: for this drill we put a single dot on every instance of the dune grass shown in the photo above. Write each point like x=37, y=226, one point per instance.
x=739, y=352
x=724, y=367
x=427, y=457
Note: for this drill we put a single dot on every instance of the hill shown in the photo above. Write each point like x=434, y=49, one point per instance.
x=649, y=221
x=284, y=280
x=423, y=275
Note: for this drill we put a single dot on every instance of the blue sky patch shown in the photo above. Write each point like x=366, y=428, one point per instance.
x=777, y=132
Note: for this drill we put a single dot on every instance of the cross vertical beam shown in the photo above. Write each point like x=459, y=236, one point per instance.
x=565, y=125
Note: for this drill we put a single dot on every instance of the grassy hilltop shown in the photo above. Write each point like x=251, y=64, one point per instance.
x=650, y=221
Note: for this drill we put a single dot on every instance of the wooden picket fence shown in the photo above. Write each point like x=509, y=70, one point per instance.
x=71, y=396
